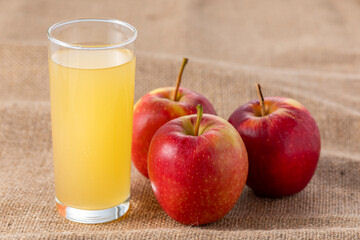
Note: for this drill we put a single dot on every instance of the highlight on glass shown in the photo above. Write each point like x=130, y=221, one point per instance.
x=92, y=78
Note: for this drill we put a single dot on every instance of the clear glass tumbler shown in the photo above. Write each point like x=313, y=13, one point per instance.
x=92, y=77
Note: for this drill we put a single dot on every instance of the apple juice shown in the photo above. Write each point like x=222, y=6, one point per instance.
x=91, y=110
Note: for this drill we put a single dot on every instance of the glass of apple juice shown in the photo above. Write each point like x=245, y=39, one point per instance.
x=92, y=77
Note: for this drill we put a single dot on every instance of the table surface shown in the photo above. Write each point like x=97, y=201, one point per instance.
x=306, y=50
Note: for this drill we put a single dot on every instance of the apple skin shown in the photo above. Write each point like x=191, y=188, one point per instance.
x=283, y=147
x=197, y=179
x=155, y=109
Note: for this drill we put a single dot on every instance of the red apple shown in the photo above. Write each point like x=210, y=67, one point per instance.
x=155, y=109
x=283, y=144
x=197, y=168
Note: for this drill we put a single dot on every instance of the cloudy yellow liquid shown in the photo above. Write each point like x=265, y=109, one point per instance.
x=91, y=109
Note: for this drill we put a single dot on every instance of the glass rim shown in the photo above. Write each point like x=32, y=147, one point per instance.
x=103, y=20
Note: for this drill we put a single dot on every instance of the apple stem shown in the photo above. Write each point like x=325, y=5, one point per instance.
x=261, y=98
x=199, y=109
x=185, y=61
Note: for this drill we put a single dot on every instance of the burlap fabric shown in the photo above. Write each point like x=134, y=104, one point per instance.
x=305, y=50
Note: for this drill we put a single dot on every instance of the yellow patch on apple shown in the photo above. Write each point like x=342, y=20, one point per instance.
x=294, y=103
x=159, y=90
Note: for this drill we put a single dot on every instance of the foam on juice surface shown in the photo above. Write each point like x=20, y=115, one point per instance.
x=92, y=59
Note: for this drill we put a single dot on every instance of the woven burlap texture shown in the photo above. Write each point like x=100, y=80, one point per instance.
x=327, y=208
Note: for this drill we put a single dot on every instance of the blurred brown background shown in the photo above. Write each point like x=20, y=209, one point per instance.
x=311, y=34
x=308, y=50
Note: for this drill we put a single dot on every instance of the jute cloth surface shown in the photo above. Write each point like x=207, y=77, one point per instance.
x=305, y=51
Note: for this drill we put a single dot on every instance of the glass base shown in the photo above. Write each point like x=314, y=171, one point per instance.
x=93, y=216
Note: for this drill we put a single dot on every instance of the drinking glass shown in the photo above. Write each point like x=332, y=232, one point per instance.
x=92, y=77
